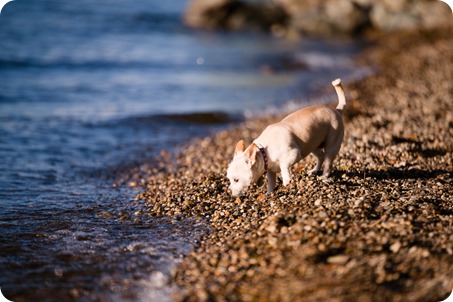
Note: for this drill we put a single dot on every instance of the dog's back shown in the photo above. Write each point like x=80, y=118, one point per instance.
x=311, y=126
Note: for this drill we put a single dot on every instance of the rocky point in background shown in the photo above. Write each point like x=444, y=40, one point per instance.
x=316, y=17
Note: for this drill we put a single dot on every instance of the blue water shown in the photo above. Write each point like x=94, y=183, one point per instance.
x=89, y=88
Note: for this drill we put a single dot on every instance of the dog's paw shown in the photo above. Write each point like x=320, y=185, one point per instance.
x=326, y=179
x=314, y=172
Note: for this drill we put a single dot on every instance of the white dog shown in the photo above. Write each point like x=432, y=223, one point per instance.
x=317, y=130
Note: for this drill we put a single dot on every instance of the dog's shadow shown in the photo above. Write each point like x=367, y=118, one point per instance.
x=392, y=174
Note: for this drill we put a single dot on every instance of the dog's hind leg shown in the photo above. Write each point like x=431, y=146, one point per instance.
x=328, y=160
x=319, y=155
x=330, y=154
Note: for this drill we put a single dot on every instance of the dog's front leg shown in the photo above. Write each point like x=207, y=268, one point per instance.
x=292, y=157
x=271, y=180
x=286, y=175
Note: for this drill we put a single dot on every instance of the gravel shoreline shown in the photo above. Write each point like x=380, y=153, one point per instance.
x=380, y=230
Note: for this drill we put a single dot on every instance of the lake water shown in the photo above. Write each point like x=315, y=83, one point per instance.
x=88, y=88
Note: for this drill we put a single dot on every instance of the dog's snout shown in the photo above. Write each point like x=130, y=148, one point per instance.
x=233, y=192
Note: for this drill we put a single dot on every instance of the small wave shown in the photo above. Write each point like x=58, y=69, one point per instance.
x=200, y=118
x=160, y=21
x=16, y=63
x=320, y=60
x=82, y=64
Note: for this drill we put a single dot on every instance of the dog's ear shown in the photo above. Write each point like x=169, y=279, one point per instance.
x=240, y=146
x=250, y=155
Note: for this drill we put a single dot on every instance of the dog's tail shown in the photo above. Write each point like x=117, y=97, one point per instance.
x=340, y=94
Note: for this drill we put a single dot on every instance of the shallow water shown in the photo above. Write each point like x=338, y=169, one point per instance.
x=91, y=88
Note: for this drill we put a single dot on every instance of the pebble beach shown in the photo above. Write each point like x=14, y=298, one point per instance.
x=380, y=229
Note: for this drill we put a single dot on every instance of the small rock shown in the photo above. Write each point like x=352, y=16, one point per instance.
x=395, y=247
x=338, y=259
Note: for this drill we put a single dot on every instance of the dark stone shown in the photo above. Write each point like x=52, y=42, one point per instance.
x=322, y=17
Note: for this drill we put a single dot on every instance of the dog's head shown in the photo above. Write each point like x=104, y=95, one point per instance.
x=243, y=171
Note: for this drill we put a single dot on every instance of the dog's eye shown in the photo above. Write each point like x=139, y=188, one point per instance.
x=236, y=180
